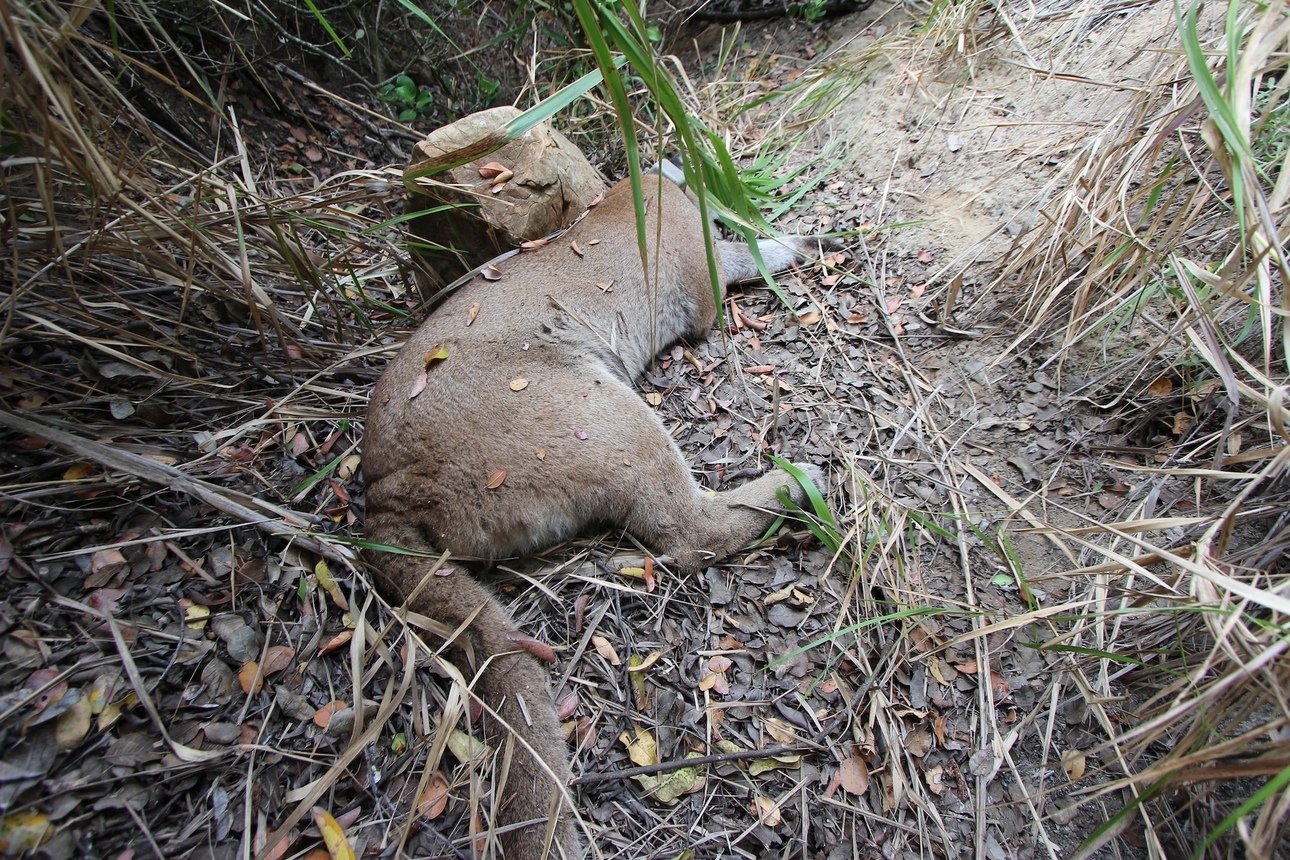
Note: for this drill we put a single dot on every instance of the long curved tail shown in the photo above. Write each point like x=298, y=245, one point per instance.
x=513, y=685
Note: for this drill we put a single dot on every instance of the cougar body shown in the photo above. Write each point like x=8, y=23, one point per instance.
x=508, y=422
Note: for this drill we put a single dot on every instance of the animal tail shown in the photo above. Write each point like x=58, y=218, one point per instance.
x=510, y=683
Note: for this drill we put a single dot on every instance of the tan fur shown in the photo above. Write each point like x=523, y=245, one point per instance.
x=577, y=444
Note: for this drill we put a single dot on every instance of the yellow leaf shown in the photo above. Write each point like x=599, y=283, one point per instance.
x=195, y=614
x=21, y=832
x=636, y=663
x=680, y=781
x=642, y=749
x=76, y=471
x=1074, y=764
x=333, y=834
x=519, y=384
x=781, y=731
x=348, y=465
x=779, y=762
x=465, y=748
x=323, y=574
x=74, y=724
x=436, y=353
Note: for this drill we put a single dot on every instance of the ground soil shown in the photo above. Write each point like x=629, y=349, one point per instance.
x=908, y=737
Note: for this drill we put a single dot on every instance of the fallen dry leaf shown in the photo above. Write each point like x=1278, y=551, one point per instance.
x=492, y=170
x=250, y=677
x=519, y=384
x=606, y=650
x=333, y=834
x=323, y=715
x=496, y=479
x=418, y=385
x=74, y=724
x=641, y=747
x=766, y=810
x=474, y=312
x=536, y=647
x=465, y=748
x=1074, y=763
x=336, y=641
x=491, y=272
x=1161, y=387
x=277, y=658
x=854, y=775
x=24, y=832
x=434, y=800
x=935, y=777
x=435, y=354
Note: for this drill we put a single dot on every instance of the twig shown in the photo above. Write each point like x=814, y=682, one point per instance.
x=677, y=764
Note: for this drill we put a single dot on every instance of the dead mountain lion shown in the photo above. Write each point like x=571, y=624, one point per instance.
x=508, y=422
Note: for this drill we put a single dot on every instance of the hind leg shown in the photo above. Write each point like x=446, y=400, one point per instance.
x=631, y=472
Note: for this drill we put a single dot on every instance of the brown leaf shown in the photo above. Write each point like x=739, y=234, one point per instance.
x=474, y=312
x=532, y=244
x=314, y=154
x=250, y=677
x=277, y=658
x=418, y=385
x=492, y=170
x=107, y=562
x=935, y=777
x=434, y=800
x=567, y=706
x=854, y=775
x=323, y=715
x=491, y=272
x=999, y=685
x=1161, y=387
x=336, y=641
x=809, y=318
x=573, y=246
x=536, y=647
x=496, y=479
x=519, y=383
